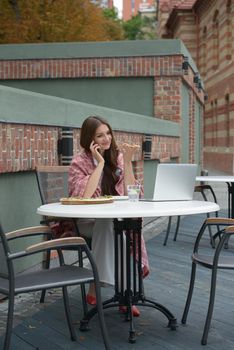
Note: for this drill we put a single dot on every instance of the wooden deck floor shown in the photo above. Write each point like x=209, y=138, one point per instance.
x=45, y=328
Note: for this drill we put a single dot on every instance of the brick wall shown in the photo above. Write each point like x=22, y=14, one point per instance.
x=25, y=146
x=213, y=53
x=91, y=67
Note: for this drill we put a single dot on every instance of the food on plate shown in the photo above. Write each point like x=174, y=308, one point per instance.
x=80, y=200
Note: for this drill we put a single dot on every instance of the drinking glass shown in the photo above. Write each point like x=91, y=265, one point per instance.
x=133, y=192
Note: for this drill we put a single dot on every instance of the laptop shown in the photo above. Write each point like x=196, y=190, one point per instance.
x=174, y=182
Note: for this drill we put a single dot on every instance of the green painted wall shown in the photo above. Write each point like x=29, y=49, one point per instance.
x=18, y=203
x=150, y=168
x=19, y=200
x=133, y=95
x=34, y=108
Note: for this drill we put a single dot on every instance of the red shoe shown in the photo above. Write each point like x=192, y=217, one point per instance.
x=135, y=311
x=145, y=271
x=91, y=300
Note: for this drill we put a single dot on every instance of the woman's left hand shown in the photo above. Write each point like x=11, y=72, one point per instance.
x=128, y=151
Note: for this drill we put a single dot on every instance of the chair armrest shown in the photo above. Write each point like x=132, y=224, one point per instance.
x=229, y=223
x=29, y=231
x=51, y=244
x=229, y=229
x=219, y=221
x=56, y=244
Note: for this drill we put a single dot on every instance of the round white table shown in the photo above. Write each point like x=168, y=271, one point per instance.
x=229, y=180
x=127, y=217
x=127, y=209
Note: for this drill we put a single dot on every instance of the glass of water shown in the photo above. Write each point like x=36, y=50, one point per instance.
x=133, y=192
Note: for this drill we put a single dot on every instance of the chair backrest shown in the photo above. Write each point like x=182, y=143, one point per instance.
x=4, y=250
x=52, y=182
x=175, y=182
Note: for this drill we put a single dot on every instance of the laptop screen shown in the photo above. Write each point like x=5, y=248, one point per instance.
x=175, y=182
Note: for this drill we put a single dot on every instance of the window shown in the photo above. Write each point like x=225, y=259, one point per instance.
x=216, y=39
x=204, y=53
x=228, y=30
x=227, y=120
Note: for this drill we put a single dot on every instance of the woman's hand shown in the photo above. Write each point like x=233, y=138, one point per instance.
x=95, y=150
x=128, y=151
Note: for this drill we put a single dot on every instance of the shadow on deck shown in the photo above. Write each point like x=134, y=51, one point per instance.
x=43, y=326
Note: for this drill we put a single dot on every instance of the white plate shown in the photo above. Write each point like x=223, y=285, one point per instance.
x=120, y=198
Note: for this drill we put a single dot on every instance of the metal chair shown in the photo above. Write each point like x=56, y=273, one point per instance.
x=202, y=188
x=53, y=184
x=62, y=276
x=214, y=261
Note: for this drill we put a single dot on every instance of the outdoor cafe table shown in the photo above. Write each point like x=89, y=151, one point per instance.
x=229, y=180
x=127, y=217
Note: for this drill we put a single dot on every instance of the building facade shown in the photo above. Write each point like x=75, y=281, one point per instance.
x=133, y=7
x=103, y=3
x=207, y=29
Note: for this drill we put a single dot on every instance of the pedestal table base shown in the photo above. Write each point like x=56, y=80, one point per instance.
x=129, y=288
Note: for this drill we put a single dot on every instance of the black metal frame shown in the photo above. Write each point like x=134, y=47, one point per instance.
x=133, y=292
x=40, y=171
x=201, y=189
x=60, y=277
x=230, y=186
x=212, y=262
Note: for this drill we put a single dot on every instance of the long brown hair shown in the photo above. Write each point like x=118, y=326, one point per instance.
x=87, y=134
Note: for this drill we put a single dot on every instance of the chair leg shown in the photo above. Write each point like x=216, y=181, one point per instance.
x=9, y=324
x=68, y=314
x=212, y=241
x=168, y=231
x=190, y=293
x=177, y=228
x=82, y=286
x=47, y=266
x=101, y=318
x=80, y=261
x=210, y=307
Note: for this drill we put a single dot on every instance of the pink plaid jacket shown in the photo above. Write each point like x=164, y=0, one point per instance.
x=81, y=168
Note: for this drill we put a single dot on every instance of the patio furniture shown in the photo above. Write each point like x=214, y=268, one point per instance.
x=202, y=188
x=127, y=220
x=62, y=276
x=53, y=184
x=214, y=261
x=229, y=180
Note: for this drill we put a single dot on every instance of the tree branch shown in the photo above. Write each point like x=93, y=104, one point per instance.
x=15, y=6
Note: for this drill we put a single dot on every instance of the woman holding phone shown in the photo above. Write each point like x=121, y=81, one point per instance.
x=101, y=168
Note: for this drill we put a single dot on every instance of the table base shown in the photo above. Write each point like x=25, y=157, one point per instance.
x=129, y=288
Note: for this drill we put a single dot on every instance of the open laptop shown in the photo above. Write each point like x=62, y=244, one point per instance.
x=174, y=182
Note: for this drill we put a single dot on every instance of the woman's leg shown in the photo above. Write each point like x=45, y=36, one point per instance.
x=103, y=249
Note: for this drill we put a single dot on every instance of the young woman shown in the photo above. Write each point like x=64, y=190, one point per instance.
x=102, y=169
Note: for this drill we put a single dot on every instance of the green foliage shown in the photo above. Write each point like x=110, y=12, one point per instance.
x=111, y=13
x=32, y=21
x=24, y=21
x=139, y=27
